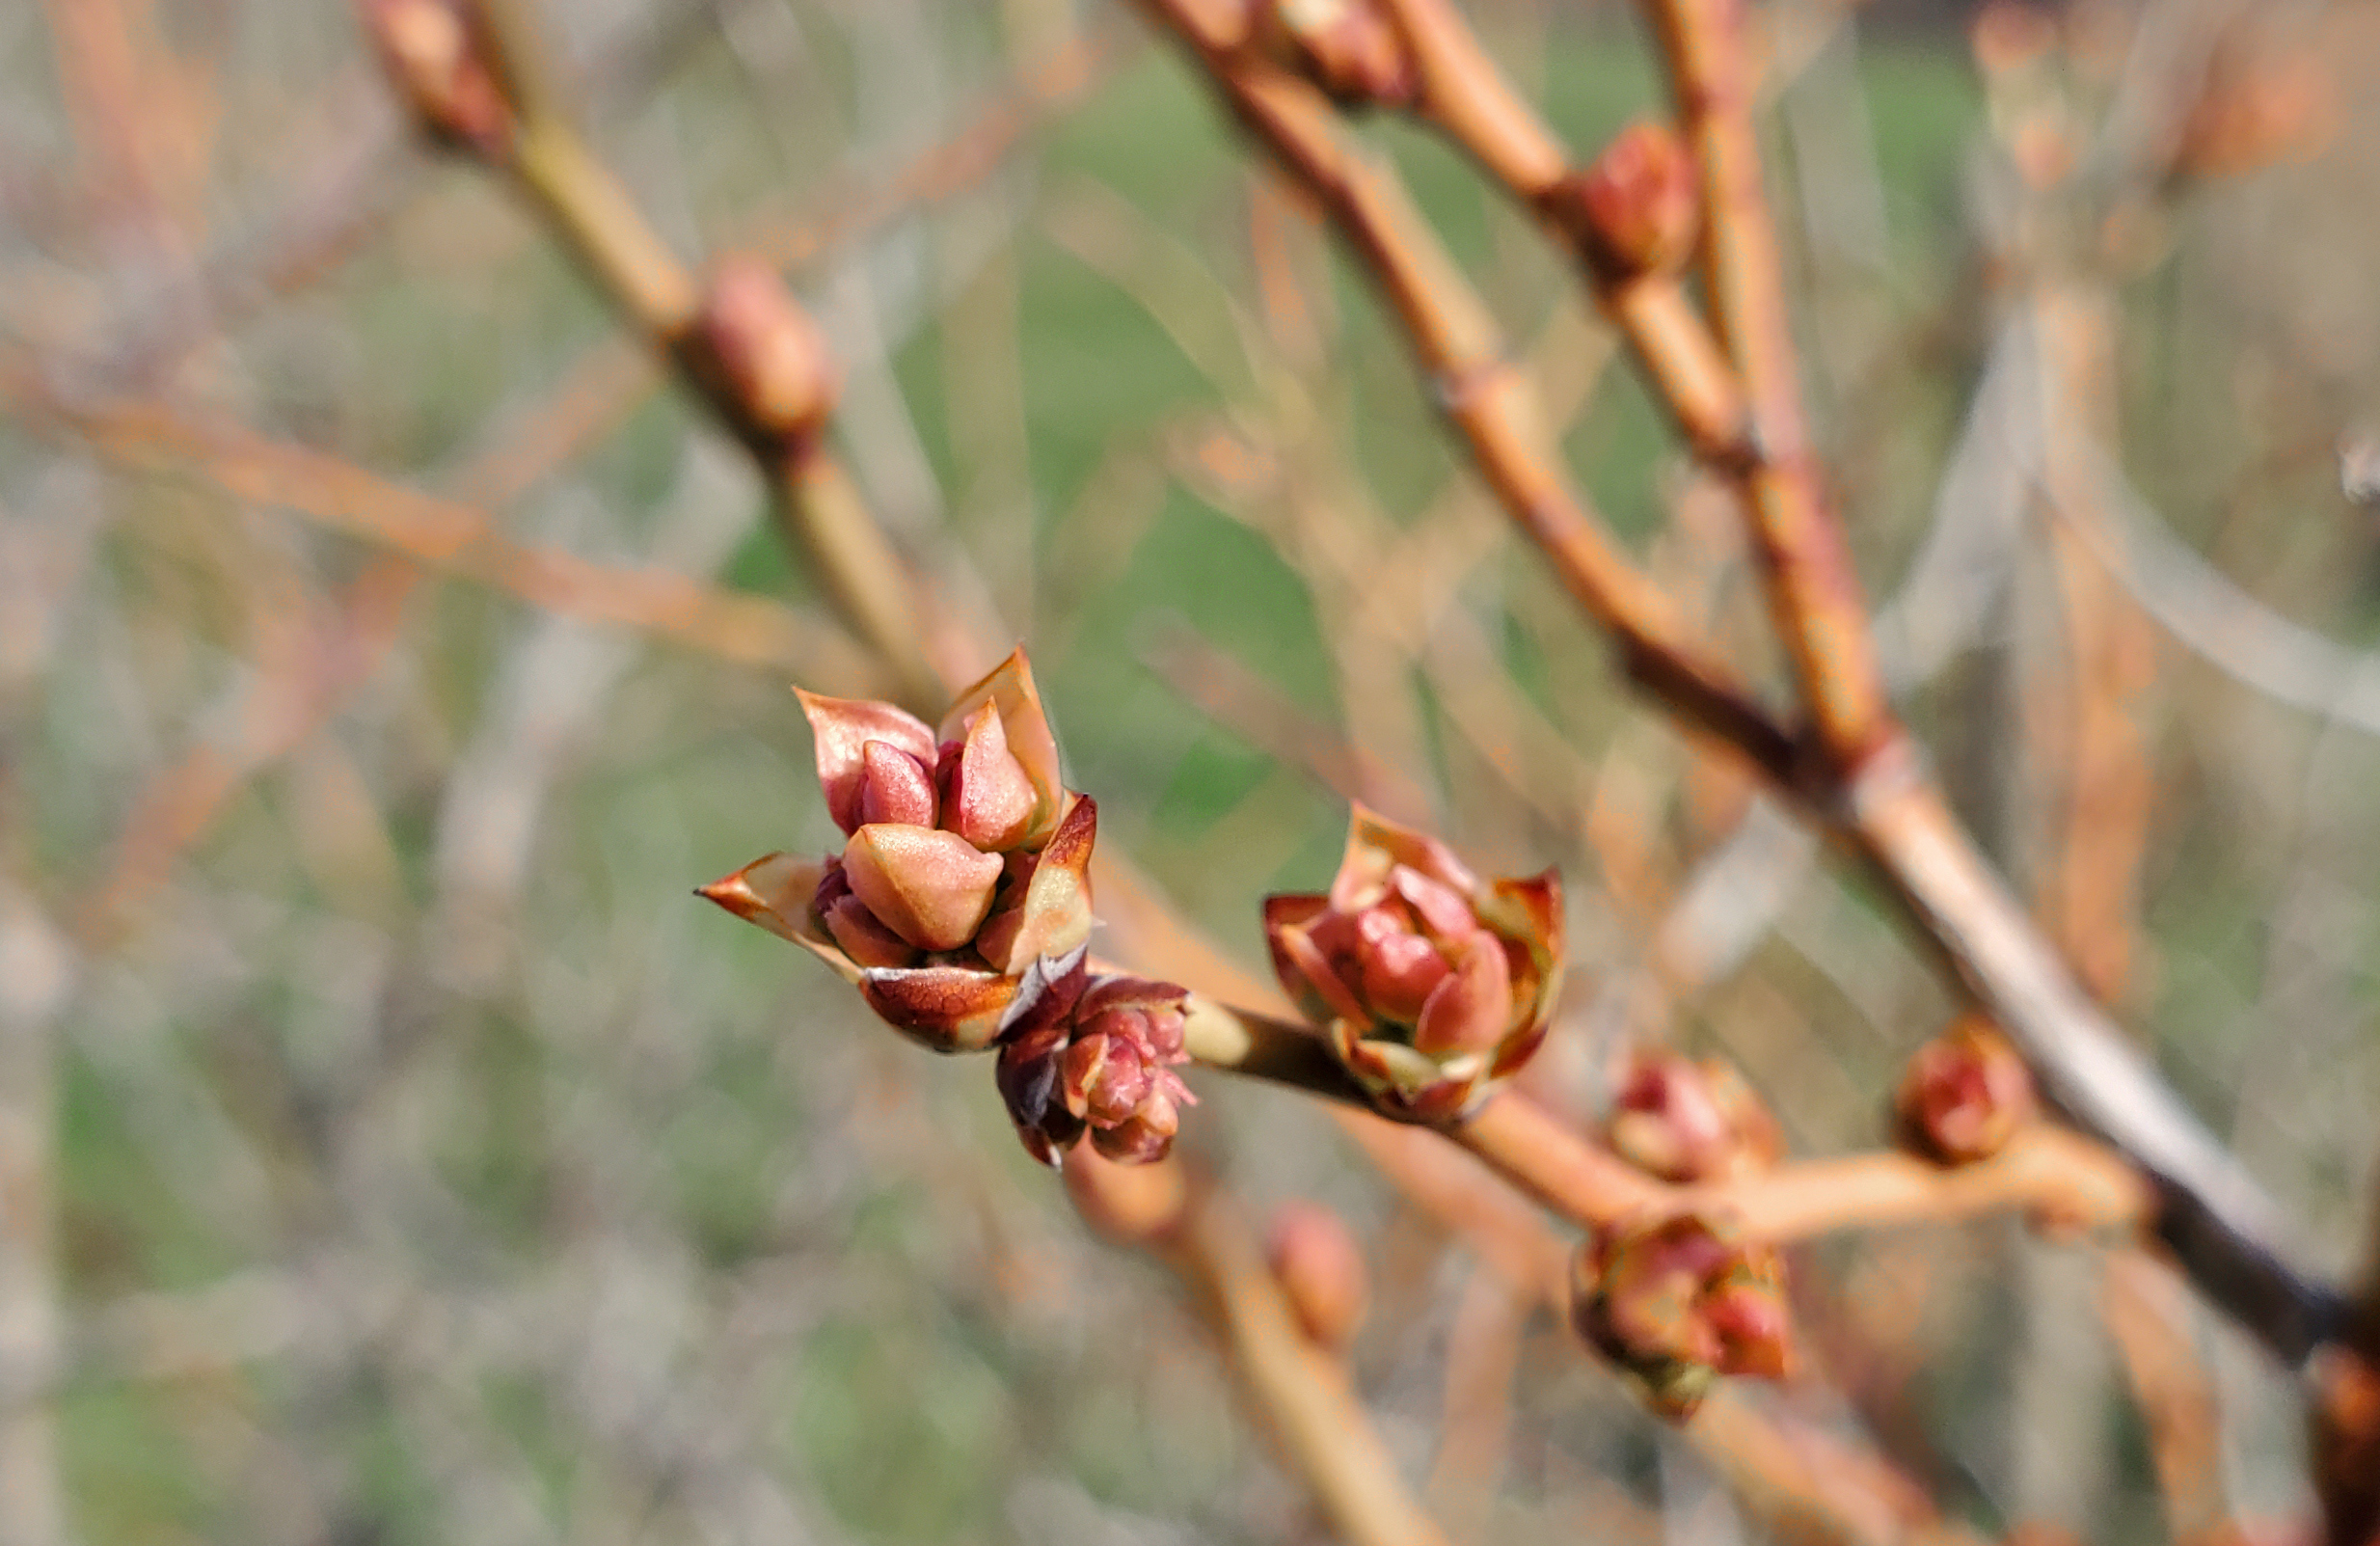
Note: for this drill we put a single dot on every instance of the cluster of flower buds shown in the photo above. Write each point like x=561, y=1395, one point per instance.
x=1963, y=1095
x=1676, y=1301
x=1635, y=210
x=966, y=861
x=1687, y=1120
x=1429, y=983
x=1094, y=1057
x=1352, y=49
x=434, y=53
x=961, y=907
x=759, y=356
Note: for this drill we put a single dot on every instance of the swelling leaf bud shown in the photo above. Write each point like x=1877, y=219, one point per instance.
x=434, y=54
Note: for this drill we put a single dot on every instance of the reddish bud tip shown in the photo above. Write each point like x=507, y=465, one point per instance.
x=1964, y=1095
x=1635, y=210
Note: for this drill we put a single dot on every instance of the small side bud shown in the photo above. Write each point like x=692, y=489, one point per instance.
x=1964, y=1095
x=1637, y=209
x=759, y=354
x=1349, y=48
x=1321, y=1270
x=435, y=55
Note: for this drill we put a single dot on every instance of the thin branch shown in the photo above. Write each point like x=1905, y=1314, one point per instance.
x=1485, y=398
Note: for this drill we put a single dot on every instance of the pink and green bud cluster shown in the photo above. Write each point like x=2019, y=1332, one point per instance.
x=1429, y=983
x=1686, y=1120
x=964, y=863
x=1093, y=1058
x=1963, y=1095
x=1678, y=1301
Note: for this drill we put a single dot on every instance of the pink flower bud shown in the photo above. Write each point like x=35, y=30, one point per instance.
x=843, y=727
x=893, y=787
x=1964, y=1095
x=932, y=888
x=1147, y=1136
x=1676, y=1301
x=1093, y=1060
x=1689, y=1122
x=1429, y=983
x=989, y=799
x=1106, y=1079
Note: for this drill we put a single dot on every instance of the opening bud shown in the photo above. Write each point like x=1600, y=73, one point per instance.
x=1677, y=1301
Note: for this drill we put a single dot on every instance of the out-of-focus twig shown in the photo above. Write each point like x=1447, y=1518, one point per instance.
x=1485, y=398
x=447, y=536
x=1300, y=1389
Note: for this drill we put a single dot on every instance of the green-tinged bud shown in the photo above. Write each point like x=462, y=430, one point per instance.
x=1429, y=983
x=1678, y=1300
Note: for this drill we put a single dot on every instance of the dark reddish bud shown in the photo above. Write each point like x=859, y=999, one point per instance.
x=1678, y=1301
x=1635, y=210
x=1349, y=48
x=760, y=355
x=434, y=53
x=1096, y=1058
x=1964, y=1095
x=1686, y=1122
x=1321, y=1271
